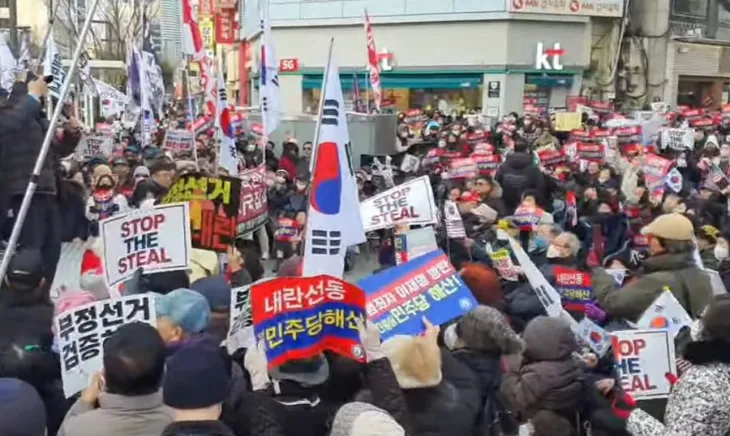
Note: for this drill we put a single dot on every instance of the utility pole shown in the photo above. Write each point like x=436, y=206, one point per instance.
x=13, y=4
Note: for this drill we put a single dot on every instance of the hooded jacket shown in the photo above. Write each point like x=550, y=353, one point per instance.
x=518, y=174
x=22, y=130
x=698, y=403
x=549, y=378
x=689, y=284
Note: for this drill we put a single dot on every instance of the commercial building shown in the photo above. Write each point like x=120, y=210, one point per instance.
x=491, y=55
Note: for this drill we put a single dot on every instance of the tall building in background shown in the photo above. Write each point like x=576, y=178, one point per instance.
x=170, y=19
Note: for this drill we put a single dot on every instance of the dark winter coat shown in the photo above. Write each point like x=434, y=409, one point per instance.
x=74, y=223
x=689, y=284
x=517, y=174
x=550, y=379
x=197, y=428
x=23, y=127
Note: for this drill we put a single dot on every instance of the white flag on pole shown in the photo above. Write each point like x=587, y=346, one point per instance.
x=333, y=222
x=269, y=90
x=24, y=59
x=7, y=65
x=52, y=66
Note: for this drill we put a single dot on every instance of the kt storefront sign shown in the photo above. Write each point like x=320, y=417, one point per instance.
x=549, y=58
x=592, y=8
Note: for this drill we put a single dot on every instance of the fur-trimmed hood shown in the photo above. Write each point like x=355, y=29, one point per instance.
x=416, y=361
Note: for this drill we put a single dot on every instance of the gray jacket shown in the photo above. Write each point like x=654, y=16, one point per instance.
x=118, y=415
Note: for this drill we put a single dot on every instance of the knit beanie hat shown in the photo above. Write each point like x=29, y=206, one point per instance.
x=362, y=419
x=486, y=329
x=195, y=378
x=23, y=412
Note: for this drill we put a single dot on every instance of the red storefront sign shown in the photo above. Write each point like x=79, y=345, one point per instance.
x=289, y=65
x=225, y=26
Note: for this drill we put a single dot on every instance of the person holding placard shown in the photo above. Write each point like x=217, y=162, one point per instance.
x=698, y=403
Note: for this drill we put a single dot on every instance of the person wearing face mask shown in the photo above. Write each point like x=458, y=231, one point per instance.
x=671, y=265
x=724, y=161
x=722, y=254
x=278, y=194
x=297, y=201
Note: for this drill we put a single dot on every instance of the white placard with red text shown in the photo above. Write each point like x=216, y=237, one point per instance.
x=643, y=358
x=156, y=239
x=179, y=141
x=409, y=203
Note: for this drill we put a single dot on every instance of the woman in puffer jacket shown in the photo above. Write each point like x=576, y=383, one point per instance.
x=698, y=404
x=549, y=382
x=479, y=340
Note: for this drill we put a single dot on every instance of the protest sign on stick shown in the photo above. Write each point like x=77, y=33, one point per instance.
x=98, y=145
x=399, y=297
x=83, y=330
x=678, y=139
x=299, y=318
x=643, y=357
x=414, y=243
x=240, y=331
x=214, y=205
x=409, y=203
x=155, y=239
x=179, y=141
x=254, y=208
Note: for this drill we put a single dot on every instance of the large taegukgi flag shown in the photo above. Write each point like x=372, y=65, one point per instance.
x=333, y=222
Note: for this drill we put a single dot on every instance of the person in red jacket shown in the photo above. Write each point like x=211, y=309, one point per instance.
x=289, y=158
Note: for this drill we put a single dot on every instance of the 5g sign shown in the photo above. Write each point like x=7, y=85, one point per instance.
x=289, y=65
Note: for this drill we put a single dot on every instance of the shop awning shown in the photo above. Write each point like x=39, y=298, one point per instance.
x=399, y=81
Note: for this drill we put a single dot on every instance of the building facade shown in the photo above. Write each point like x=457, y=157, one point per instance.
x=487, y=55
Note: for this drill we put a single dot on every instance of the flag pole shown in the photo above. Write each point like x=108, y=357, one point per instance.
x=315, y=148
x=25, y=205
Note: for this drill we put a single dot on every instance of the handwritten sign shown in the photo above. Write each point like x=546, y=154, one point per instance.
x=82, y=332
x=156, y=239
x=678, y=139
x=643, y=357
x=429, y=286
x=214, y=203
x=253, y=210
x=95, y=146
x=179, y=141
x=298, y=318
x=240, y=330
x=409, y=203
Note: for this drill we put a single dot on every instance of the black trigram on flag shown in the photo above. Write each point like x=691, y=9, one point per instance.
x=331, y=113
x=544, y=296
x=326, y=242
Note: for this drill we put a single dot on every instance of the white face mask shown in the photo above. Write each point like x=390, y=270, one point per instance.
x=553, y=252
x=724, y=152
x=280, y=180
x=301, y=186
x=442, y=144
x=721, y=252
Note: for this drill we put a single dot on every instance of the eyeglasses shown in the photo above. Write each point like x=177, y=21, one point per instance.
x=307, y=149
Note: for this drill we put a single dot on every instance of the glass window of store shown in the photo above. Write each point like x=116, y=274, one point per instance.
x=690, y=8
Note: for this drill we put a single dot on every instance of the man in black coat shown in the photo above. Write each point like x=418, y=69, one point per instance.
x=519, y=173
x=23, y=126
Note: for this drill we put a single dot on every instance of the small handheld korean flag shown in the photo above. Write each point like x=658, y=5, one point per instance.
x=333, y=221
x=674, y=180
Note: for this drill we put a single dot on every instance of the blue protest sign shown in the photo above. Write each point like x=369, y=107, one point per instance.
x=398, y=298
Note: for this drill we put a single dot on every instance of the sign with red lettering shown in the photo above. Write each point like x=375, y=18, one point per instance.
x=214, y=203
x=253, y=210
x=409, y=203
x=643, y=357
x=226, y=27
x=156, y=239
x=289, y=65
x=574, y=286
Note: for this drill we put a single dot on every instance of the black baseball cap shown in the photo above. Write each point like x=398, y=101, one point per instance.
x=26, y=268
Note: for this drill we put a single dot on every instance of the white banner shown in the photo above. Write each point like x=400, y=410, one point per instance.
x=156, y=239
x=52, y=66
x=678, y=139
x=240, y=331
x=643, y=357
x=179, y=141
x=82, y=331
x=112, y=101
x=409, y=203
x=94, y=145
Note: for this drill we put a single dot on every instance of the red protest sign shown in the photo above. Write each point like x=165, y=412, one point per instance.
x=299, y=318
x=254, y=207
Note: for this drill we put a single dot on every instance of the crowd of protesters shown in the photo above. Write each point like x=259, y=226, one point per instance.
x=503, y=365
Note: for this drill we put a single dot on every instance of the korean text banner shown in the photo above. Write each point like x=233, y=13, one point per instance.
x=179, y=141
x=643, y=357
x=298, y=318
x=240, y=331
x=409, y=203
x=399, y=297
x=155, y=239
x=214, y=203
x=82, y=332
x=254, y=208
